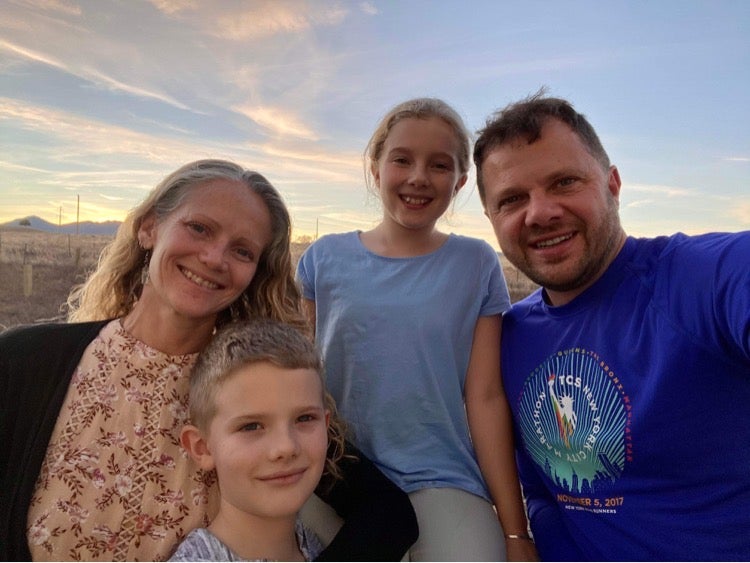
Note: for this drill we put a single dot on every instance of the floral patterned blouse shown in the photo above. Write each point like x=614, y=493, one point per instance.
x=115, y=484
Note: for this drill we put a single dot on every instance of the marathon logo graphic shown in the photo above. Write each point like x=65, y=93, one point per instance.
x=574, y=417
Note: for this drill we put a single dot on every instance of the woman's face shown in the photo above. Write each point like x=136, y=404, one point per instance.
x=205, y=253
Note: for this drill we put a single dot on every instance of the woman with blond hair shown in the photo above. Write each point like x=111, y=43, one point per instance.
x=92, y=409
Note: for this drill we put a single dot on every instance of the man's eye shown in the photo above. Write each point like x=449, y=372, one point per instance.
x=508, y=201
x=566, y=181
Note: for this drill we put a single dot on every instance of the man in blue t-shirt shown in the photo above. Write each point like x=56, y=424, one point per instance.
x=628, y=372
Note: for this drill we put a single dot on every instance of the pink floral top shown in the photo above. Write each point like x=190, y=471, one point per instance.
x=115, y=484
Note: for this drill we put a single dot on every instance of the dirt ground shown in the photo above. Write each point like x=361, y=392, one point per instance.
x=57, y=262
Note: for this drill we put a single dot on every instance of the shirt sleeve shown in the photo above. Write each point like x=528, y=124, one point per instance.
x=553, y=541
x=306, y=273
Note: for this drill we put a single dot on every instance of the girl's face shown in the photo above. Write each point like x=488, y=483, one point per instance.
x=418, y=173
x=268, y=439
x=205, y=253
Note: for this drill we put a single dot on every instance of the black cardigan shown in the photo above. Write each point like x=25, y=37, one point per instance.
x=36, y=365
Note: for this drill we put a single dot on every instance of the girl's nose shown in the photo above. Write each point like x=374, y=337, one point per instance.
x=285, y=443
x=418, y=175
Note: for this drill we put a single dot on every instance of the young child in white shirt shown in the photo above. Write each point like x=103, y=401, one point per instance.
x=261, y=418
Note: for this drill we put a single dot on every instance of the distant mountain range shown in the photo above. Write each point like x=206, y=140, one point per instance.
x=85, y=227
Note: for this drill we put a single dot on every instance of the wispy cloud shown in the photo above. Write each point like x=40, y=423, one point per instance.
x=277, y=121
x=369, y=8
x=89, y=74
x=737, y=159
x=660, y=190
x=741, y=212
x=272, y=17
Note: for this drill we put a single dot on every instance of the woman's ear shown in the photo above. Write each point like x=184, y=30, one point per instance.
x=196, y=444
x=147, y=231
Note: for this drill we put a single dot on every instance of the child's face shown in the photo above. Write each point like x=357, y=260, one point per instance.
x=418, y=172
x=268, y=439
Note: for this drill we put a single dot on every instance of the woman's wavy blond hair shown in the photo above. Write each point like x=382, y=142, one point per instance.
x=114, y=287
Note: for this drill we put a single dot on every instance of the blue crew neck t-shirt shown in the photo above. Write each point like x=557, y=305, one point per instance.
x=396, y=336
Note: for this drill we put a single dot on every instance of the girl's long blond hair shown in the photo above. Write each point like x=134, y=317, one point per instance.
x=114, y=287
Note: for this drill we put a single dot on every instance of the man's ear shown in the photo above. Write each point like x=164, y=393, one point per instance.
x=196, y=444
x=147, y=231
x=614, y=183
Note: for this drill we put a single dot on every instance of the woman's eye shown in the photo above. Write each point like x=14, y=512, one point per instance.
x=199, y=228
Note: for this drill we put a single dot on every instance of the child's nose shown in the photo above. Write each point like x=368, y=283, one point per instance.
x=285, y=443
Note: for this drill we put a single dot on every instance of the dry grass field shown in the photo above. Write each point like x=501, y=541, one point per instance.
x=57, y=262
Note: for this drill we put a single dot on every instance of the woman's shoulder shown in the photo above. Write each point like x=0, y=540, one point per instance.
x=62, y=330
x=61, y=334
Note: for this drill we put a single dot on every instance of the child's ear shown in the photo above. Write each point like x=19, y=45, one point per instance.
x=460, y=184
x=195, y=444
x=375, y=171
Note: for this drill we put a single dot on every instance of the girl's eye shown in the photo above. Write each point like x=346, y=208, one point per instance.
x=250, y=426
x=306, y=418
x=245, y=254
x=442, y=166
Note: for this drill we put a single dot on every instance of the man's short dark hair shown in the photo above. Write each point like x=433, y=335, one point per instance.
x=525, y=119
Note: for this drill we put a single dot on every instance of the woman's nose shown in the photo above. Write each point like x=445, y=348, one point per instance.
x=212, y=255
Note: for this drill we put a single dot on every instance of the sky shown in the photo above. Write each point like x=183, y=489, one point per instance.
x=100, y=99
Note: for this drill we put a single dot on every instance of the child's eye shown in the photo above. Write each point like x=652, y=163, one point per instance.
x=307, y=418
x=250, y=426
x=245, y=254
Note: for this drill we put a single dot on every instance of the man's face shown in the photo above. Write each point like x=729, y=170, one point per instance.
x=554, y=210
